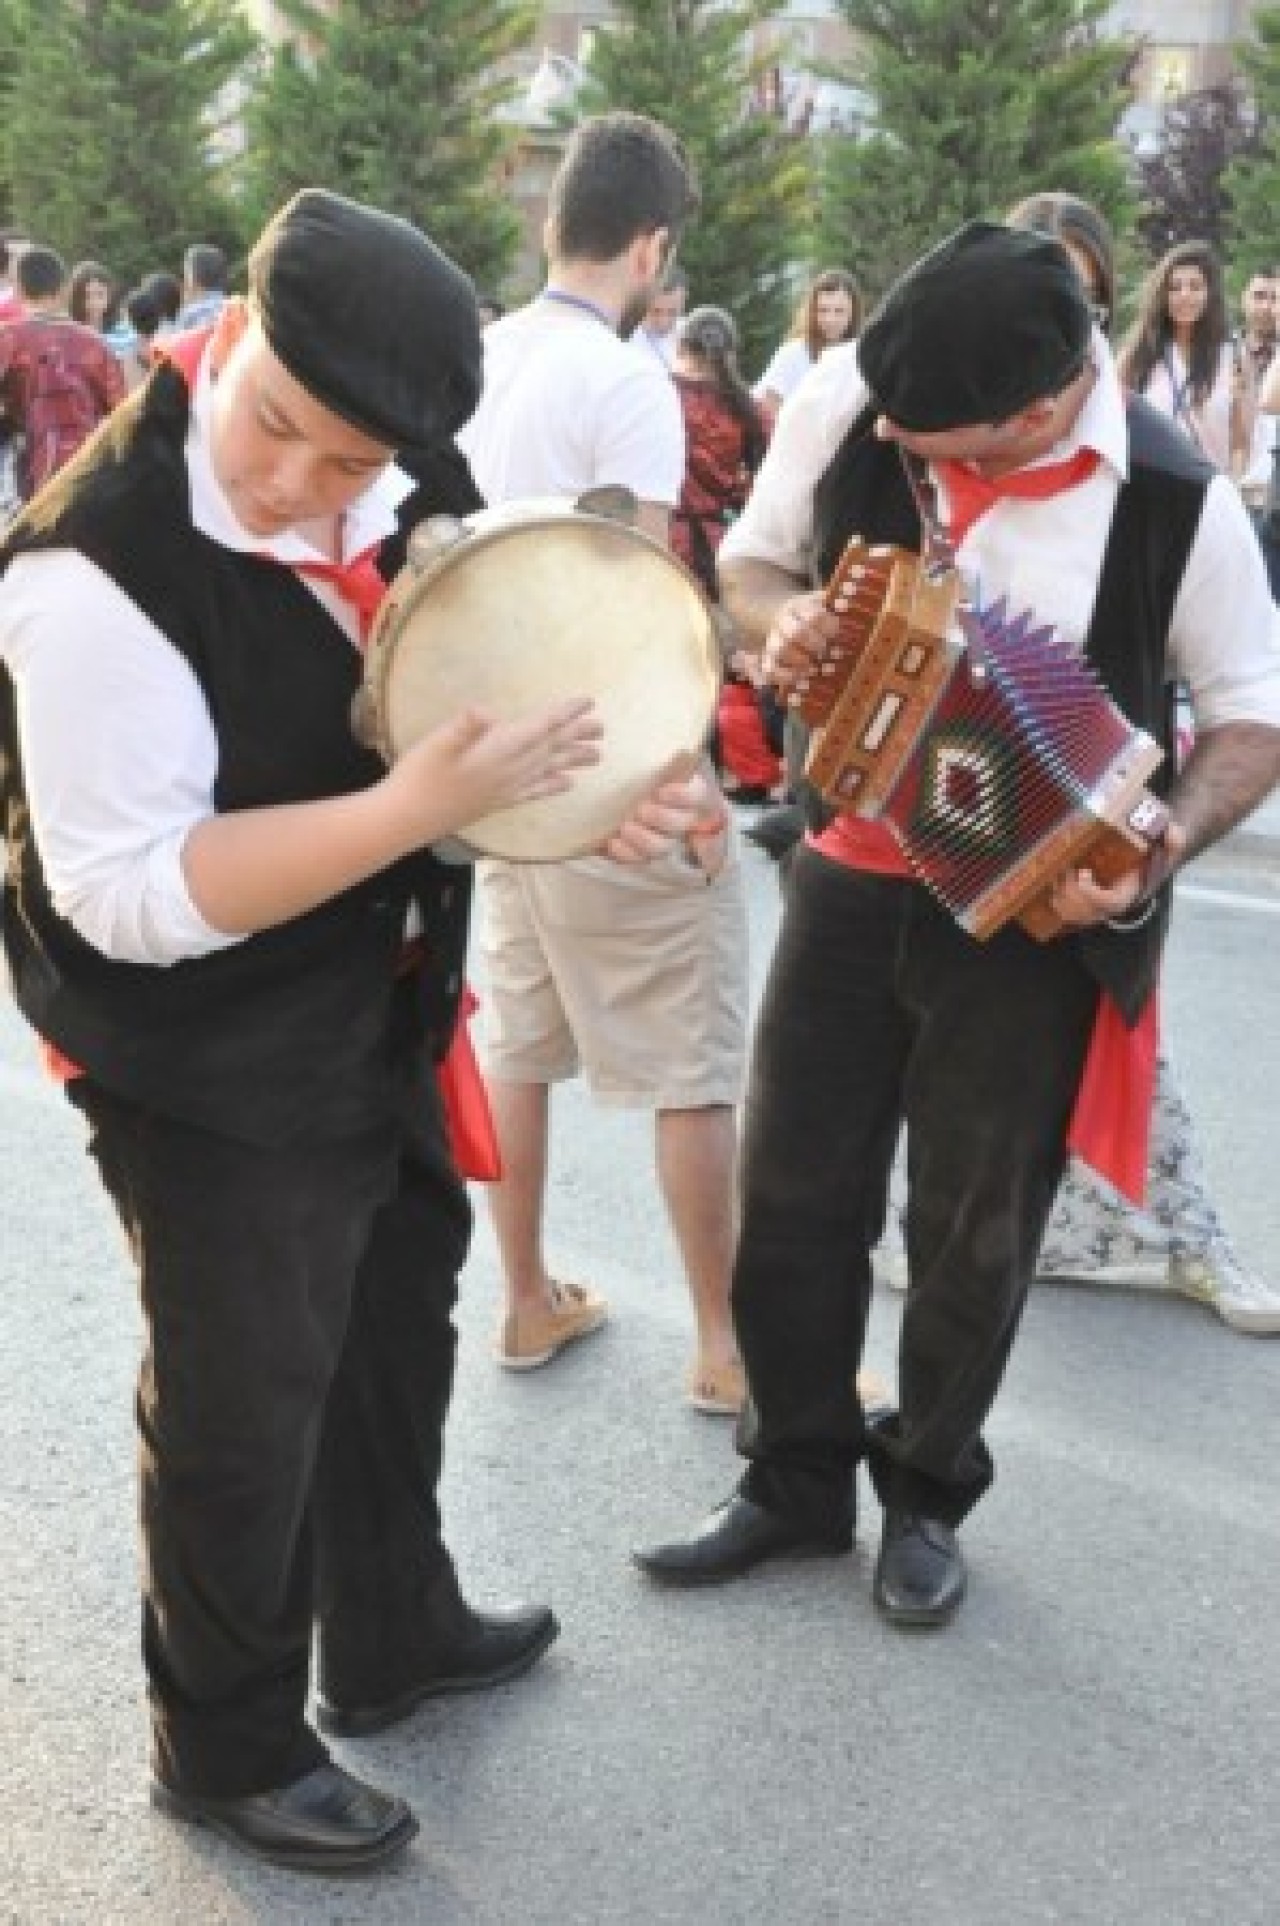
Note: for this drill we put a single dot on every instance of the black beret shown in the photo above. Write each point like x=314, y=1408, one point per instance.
x=370, y=316
x=990, y=320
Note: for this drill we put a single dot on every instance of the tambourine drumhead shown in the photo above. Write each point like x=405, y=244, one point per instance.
x=522, y=610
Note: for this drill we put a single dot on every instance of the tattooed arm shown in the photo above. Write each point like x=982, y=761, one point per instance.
x=1229, y=772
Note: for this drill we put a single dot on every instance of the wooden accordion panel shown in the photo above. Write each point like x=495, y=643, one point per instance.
x=985, y=744
x=869, y=701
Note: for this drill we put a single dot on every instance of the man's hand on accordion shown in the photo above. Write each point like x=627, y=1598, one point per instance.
x=1080, y=901
x=803, y=632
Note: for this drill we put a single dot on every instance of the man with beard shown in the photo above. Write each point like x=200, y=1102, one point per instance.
x=1258, y=310
x=640, y=981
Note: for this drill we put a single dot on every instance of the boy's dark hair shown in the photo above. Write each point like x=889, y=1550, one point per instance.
x=40, y=273
x=165, y=290
x=622, y=175
x=205, y=267
x=144, y=313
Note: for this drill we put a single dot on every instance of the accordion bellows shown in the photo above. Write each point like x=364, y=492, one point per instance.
x=984, y=742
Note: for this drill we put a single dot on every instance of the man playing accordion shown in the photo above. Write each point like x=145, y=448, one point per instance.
x=982, y=374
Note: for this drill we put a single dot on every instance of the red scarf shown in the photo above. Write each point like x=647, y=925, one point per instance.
x=357, y=582
x=970, y=494
x=1110, y=1127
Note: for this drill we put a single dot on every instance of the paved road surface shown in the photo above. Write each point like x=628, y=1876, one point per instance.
x=1096, y=1740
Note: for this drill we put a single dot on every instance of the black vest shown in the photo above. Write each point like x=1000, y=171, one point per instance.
x=298, y=1031
x=865, y=491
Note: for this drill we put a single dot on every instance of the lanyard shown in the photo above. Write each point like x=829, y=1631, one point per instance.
x=1180, y=389
x=579, y=301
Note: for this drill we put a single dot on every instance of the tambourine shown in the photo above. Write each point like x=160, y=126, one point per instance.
x=517, y=606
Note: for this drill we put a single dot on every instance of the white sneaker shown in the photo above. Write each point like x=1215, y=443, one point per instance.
x=1217, y=1279
x=1135, y=1274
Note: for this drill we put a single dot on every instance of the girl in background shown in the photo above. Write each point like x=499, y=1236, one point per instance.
x=92, y=296
x=831, y=311
x=1180, y=356
x=724, y=444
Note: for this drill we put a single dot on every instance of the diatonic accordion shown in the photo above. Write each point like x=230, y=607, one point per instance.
x=984, y=742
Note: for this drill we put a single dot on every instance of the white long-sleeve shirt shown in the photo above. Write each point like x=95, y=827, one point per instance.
x=1224, y=636
x=118, y=745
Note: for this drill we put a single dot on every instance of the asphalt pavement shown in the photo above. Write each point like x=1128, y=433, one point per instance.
x=1096, y=1740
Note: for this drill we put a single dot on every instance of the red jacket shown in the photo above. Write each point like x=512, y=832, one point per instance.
x=57, y=382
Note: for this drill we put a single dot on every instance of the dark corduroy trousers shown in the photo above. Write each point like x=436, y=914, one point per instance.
x=291, y=1404
x=881, y=1012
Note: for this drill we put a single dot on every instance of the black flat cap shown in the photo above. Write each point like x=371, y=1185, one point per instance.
x=370, y=316
x=990, y=320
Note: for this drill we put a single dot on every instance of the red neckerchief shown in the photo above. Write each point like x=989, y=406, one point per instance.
x=970, y=494
x=357, y=582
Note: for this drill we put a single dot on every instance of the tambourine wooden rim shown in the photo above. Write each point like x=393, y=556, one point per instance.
x=518, y=606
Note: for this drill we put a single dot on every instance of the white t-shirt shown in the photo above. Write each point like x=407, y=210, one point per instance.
x=788, y=368
x=1224, y=636
x=567, y=405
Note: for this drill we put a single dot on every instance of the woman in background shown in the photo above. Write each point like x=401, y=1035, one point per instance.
x=831, y=311
x=724, y=445
x=1180, y=356
x=92, y=296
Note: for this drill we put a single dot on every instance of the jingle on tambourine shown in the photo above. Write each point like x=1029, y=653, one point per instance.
x=519, y=605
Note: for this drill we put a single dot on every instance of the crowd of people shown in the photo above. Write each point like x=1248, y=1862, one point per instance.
x=244, y=956
x=73, y=342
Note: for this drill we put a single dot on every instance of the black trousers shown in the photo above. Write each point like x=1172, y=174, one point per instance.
x=291, y=1404
x=879, y=1012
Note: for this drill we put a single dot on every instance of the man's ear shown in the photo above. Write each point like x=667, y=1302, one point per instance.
x=648, y=254
x=233, y=319
x=663, y=251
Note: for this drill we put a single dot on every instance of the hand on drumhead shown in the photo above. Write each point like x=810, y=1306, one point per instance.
x=803, y=632
x=476, y=764
x=672, y=809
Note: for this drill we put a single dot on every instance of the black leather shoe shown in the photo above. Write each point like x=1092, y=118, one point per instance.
x=734, y=1538
x=475, y=1650
x=325, y=1822
x=920, y=1575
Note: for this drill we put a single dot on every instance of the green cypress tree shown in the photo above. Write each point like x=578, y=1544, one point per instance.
x=9, y=22
x=114, y=125
x=1252, y=181
x=690, y=64
x=977, y=103
x=398, y=104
